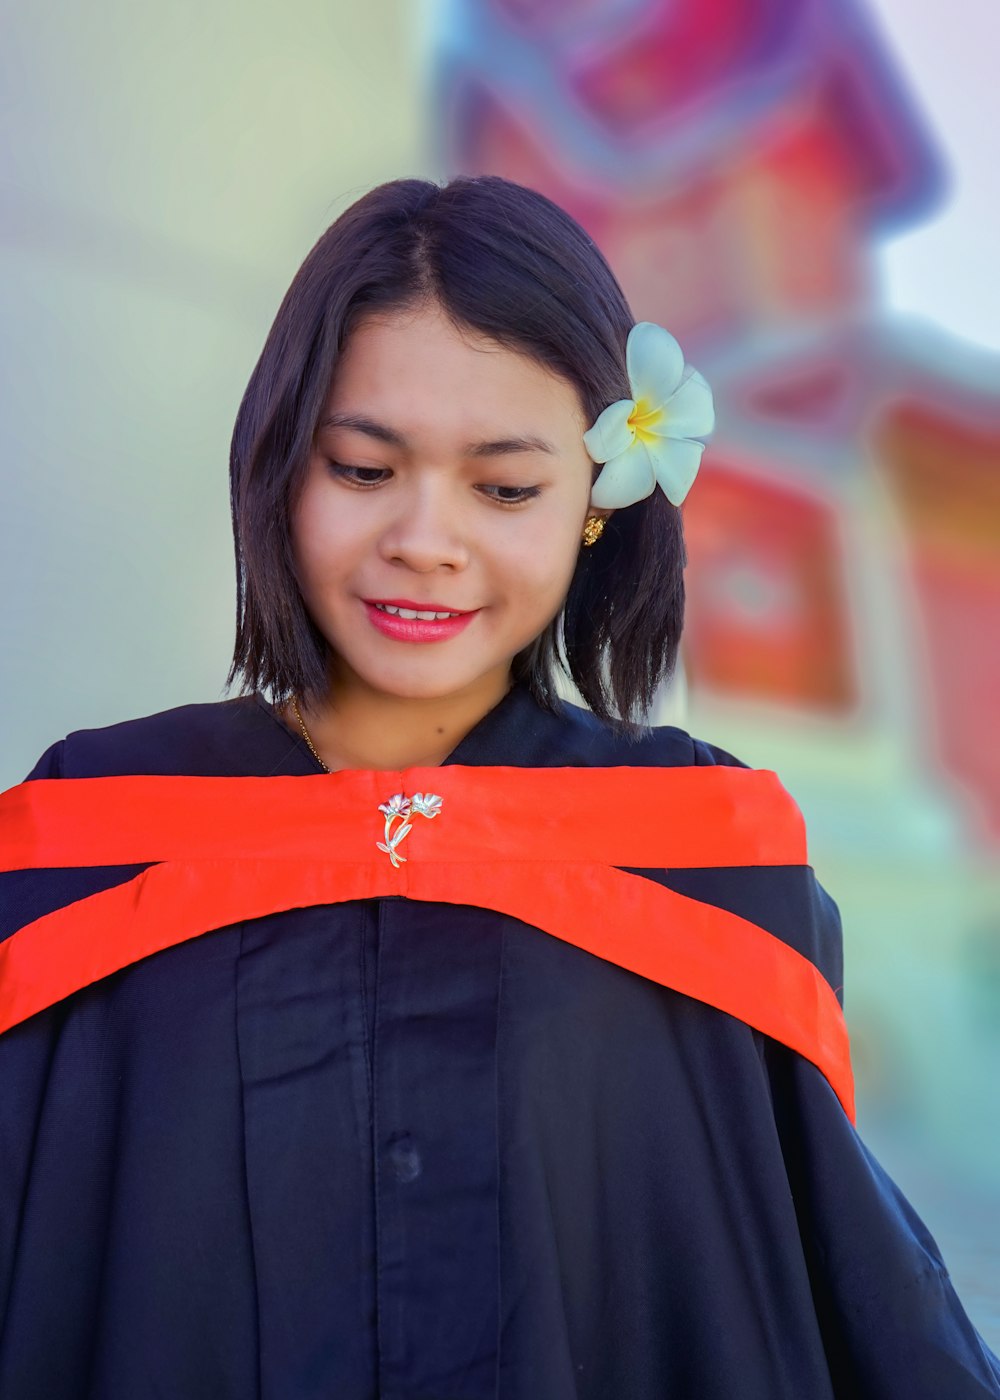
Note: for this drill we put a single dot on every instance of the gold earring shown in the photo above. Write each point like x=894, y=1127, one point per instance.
x=593, y=529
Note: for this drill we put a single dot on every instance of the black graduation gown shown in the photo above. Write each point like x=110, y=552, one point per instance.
x=414, y=1151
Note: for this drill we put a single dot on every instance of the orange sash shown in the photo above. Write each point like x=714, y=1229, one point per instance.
x=540, y=844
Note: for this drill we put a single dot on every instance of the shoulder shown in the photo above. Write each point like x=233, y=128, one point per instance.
x=211, y=738
x=668, y=745
x=661, y=746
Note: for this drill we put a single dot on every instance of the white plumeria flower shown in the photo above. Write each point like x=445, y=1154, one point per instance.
x=649, y=439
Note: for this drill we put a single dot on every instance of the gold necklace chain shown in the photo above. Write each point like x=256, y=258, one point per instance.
x=305, y=735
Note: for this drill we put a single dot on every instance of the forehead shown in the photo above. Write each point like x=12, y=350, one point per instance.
x=417, y=364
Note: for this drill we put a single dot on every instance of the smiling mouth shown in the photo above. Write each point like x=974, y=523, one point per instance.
x=422, y=615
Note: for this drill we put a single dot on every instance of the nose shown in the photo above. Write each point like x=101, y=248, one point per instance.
x=427, y=531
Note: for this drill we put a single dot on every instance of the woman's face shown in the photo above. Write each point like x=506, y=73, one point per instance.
x=448, y=474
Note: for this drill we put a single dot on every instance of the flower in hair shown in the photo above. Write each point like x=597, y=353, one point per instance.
x=649, y=440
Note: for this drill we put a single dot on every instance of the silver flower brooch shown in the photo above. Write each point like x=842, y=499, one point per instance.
x=401, y=809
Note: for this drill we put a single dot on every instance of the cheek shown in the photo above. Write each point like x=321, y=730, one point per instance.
x=316, y=534
x=311, y=564
x=544, y=558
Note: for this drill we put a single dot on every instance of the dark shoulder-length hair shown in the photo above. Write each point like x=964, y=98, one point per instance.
x=508, y=262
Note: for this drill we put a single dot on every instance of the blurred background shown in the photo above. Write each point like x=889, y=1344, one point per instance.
x=804, y=191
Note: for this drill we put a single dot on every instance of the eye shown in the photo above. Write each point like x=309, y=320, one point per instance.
x=511, y=495
x=358, y=476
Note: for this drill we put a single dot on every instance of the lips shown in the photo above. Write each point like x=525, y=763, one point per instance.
x=416, y=629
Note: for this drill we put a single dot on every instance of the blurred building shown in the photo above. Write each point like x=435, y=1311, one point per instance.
x=737, y=160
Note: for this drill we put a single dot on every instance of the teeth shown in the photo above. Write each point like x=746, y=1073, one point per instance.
x=411, y=613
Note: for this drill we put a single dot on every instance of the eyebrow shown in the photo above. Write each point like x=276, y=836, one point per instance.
x=496, y=447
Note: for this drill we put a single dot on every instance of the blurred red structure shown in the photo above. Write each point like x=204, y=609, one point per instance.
x=944, y=471
x=735, y=160
x=769, y=618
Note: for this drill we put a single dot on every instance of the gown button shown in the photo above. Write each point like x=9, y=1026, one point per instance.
x=405, y=1158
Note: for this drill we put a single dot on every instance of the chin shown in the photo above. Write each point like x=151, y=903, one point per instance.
x=433, y=688
x=427, y=681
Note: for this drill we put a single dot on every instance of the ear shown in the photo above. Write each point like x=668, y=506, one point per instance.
x=594, y=512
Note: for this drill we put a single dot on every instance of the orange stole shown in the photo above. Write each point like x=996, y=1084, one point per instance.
x=539, y=844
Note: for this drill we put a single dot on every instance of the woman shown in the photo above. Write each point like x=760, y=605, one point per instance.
x=505, y=1057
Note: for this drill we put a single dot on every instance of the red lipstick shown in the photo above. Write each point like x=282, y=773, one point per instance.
x=416, y=629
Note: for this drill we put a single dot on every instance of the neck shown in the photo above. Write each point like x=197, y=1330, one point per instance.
x=356, y=727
